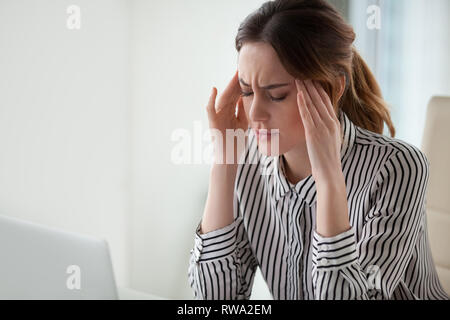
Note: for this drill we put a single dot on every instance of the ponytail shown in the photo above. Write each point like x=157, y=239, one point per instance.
x=362, y=101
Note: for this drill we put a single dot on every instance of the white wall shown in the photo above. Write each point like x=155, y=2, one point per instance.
x=408, y=55
x=180, y=50
x=426, y=65
x=65, y=119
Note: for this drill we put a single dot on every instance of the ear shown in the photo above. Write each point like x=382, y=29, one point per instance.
x=342, y=86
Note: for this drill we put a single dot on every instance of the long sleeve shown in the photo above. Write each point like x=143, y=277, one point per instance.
x=374, y=266
x=222, y=265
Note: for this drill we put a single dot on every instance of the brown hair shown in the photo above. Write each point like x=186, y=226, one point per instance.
x=313, y=41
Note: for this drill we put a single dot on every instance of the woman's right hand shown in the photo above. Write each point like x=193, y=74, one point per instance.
x=222, y=116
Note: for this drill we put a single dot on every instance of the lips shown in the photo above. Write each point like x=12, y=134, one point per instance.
x=265, y=133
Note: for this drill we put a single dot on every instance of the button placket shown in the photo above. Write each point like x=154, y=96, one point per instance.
x=299, y=234
x=290, y=227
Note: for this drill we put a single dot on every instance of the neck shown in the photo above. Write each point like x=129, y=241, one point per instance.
x=296, y=164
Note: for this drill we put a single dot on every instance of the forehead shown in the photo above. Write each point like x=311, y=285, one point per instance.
x=259, y=62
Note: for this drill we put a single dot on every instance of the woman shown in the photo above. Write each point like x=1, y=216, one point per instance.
x=338, y=210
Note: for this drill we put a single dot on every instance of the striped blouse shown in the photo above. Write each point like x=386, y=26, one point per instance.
x=384, y=255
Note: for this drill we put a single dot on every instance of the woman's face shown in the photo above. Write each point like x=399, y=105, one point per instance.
x=271, y=108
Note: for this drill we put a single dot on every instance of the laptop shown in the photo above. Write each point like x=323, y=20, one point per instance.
x=39, y=262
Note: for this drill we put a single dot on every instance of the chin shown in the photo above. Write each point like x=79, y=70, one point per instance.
x=268, y=149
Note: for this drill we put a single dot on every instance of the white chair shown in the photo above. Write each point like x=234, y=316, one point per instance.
x=436, y=146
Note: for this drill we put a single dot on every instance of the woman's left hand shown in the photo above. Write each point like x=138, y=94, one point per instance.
x=323, y=141
x=322, y=130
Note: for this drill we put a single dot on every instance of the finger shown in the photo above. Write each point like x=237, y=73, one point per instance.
x=308, y=103
x=211, y=106
x=319, y=106
x=231, y=94
x=308, y=123
x=326, y=100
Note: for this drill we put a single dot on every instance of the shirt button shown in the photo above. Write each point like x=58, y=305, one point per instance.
x=324, y=261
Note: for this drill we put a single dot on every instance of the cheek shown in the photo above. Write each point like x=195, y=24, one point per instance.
x=247, y=108
x=294, y=117
x=294, y=123
x=289, y=119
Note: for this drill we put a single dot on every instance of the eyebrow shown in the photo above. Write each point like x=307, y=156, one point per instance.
x=269, y=87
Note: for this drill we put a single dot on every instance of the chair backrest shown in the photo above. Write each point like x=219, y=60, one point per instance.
x=436, y=146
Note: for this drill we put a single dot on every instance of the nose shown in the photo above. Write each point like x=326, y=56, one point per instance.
x=258, y=111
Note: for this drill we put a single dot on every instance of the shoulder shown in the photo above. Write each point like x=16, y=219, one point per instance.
x=403, y=161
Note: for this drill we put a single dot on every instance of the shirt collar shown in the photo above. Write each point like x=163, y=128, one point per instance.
x=306, y=188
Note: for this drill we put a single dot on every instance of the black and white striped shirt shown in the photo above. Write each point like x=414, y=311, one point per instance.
x=385, y=254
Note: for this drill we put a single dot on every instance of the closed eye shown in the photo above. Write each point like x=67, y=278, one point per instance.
x=246, y=94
